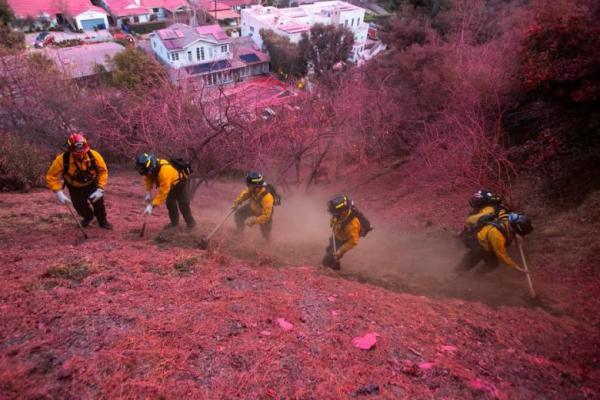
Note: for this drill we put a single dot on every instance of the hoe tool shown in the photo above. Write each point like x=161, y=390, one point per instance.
x=333, y=263
x=144, y=226
x=520, y=245
x=85, y=236
x=203, y=244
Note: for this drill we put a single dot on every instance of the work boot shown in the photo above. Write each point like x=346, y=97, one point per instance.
x=86, y=222
x=191, y=226
x=105, y=225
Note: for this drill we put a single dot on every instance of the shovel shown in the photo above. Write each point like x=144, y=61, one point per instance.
x=531, y=290
x=203, y=244
x=85, y=236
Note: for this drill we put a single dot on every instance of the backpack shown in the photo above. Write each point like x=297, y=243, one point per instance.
x=365, y=224
x=472, y=242
x=80, y=176
x=182, y=166
x=271, y=189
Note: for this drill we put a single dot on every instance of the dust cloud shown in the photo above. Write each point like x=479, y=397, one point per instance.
x=416, y=262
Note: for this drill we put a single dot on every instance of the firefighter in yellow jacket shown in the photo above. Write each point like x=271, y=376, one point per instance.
x=84, y=173
x=172, y=187
x=346, y=229
x=489, y=243
x=259, y=209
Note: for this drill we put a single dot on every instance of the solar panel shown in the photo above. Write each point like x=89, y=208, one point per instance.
x=167, y=34
x=249, y=58
x=208, y=67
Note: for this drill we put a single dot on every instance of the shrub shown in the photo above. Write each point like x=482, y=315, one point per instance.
x=22, y=165
x=147, y=27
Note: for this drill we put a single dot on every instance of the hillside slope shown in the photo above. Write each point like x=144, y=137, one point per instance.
x=118, y=316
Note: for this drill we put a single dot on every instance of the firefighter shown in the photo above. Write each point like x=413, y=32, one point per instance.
x=489, y=243
x=84, y=173
x=346, y=229
x=259, y=209
x=172, y=183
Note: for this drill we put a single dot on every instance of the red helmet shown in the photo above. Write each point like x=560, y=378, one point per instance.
x=77, y=144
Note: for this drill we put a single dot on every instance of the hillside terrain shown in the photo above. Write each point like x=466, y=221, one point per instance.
x=119, y=316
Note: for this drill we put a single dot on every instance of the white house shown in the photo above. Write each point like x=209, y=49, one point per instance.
x=80, y=14
x=206, y=52
x=293, y=22
x=182, y=45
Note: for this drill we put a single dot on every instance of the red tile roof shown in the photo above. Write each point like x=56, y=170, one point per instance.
x=123, y=8
x=170, y=5
x=210, y=5
x=235, y=3
x=24, y=8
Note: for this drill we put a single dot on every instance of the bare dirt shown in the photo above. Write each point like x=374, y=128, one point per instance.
x=118, y=316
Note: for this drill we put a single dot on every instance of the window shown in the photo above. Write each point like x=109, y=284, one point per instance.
x=189, y=56
x=224, y=49
x=251, y=29
x=202, y=53
x=358, y=22
x=155, y=10
x=136, y=19
x=175, y=56
x=346, y=22
x=352, y=23
x=198, y=53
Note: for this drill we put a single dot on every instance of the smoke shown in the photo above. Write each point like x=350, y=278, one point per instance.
x=417, y=262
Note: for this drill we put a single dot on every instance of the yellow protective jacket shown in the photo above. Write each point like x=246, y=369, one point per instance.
x=166, y=178
x=55, y=172
x=473, y=219
x=492, y=239
x=346, y=232
x=261, y=204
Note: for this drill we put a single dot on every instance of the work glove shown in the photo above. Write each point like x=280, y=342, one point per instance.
x=148, y=197
x=148, y=209
x=60, y=196
x=251, y=222
x=97, y=195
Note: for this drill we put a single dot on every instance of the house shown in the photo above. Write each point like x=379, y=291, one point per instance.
x=206, y=53
x=222, y=14
x=130, y=12
x=293, y=22
x=77, y=14
x=81, y=62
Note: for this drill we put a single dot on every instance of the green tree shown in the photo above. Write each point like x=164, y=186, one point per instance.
x=134, y=70
x=286, y=59
x=9, y=38
x=326, y=46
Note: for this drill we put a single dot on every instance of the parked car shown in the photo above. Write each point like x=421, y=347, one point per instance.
x=43, y=39
x=373, y=32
